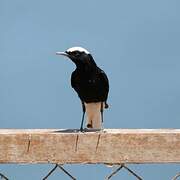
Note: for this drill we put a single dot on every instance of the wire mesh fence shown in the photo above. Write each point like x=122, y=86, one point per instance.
x=115, y=169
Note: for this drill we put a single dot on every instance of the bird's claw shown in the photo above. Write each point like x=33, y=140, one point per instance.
x=81, y=129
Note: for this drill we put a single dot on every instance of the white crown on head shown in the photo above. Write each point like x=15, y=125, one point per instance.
x=80, y=49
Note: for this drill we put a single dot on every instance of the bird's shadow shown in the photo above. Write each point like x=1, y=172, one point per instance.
x=77, y=130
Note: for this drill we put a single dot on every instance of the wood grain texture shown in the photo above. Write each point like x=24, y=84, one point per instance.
x=111, y=146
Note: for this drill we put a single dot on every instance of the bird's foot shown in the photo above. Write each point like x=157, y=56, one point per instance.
x=81, y=129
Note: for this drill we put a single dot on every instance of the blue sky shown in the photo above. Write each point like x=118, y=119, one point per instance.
x=135, y=42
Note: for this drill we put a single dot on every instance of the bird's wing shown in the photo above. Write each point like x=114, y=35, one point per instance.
x=105, y=83
x=94, y=91
x=75, y=83
x=74, y=80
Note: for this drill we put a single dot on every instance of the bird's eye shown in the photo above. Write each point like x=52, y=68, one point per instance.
x=75, y=53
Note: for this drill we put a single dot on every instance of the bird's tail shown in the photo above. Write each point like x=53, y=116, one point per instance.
x=93, y=111
x=106, y=105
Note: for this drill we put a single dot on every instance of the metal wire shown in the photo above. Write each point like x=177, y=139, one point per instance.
x=176, y=176
x=60, y=167
x=3, y=176
x=125, y=167
x=122, y=166
x=50, y=172
x=132, y=172
x=66, y=172
x=114, y=172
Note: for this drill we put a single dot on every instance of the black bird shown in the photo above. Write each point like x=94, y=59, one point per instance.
x=90, y=83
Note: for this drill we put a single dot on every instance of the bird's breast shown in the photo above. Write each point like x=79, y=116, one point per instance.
x=89, y=87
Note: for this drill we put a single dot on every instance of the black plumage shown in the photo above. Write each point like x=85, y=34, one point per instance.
x=88, y=80
x=91, y=85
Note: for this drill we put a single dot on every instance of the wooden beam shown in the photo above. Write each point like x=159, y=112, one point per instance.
x=111, y=146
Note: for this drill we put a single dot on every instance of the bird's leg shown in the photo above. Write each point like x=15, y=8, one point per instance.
x=82, y=121
x=102, y=111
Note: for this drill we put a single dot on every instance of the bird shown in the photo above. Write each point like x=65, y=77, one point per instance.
x=91, y=84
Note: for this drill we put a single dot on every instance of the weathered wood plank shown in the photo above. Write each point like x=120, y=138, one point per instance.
x=111, y=146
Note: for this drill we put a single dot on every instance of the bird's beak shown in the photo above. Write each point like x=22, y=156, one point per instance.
x=62, y=53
